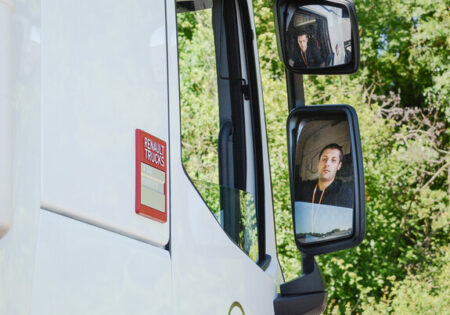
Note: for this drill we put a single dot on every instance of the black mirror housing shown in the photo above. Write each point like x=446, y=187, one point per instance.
x=317, y=36
x=328, y=204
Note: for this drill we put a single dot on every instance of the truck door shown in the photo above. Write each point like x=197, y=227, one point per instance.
x=219, y=245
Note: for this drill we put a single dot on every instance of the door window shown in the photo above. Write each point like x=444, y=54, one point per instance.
x=216, y=128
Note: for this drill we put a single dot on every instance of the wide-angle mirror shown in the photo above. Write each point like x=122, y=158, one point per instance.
x=326, y=176
x=319, y=37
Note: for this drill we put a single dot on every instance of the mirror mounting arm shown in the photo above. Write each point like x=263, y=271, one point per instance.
x=311, y=280
x=305, y=294
x=296, y=93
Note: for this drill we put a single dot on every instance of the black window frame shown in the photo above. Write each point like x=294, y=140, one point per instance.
x=232, y=88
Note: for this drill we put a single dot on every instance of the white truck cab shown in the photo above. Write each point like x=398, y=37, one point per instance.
x=134, y=161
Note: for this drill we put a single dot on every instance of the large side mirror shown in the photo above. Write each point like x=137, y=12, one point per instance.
x=318, y=37
x=326, y=175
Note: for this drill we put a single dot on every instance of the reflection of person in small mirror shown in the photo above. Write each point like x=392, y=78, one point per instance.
x=308, y=55
x=327, y=189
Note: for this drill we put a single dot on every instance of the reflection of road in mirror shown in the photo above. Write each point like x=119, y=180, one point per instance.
x=318, y=222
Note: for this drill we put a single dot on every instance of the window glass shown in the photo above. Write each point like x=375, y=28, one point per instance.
x=201, y=122
x=198, y=97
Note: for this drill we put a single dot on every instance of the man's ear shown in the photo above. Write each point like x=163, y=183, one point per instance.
x=340, y=165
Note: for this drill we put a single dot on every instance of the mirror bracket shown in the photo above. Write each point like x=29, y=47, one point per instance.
x=311, y=280
x=296, y=92
x=305, y=294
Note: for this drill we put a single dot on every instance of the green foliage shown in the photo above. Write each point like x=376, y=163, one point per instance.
x=199, y=101
x=405, y=47
x=425, y=293
x=407, y=219
x=401, y=96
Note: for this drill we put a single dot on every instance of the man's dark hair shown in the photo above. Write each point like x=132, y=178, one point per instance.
x=302, y=33
x=333, y=146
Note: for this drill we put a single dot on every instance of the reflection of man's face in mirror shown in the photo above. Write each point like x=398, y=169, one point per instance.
x=302, y=41
x=327, y=189
x=330, y=161
x=308, y=57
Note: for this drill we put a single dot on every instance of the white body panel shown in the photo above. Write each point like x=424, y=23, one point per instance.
x=90, y=114
x=18, y=246
x=95, y=271
x=209, y=271
x=85, y=75
x=5, y=118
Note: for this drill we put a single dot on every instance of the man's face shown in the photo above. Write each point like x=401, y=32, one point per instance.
x=329, y=164
x=302, y=42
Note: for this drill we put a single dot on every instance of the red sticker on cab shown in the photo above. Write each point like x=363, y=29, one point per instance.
x=151, y=176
